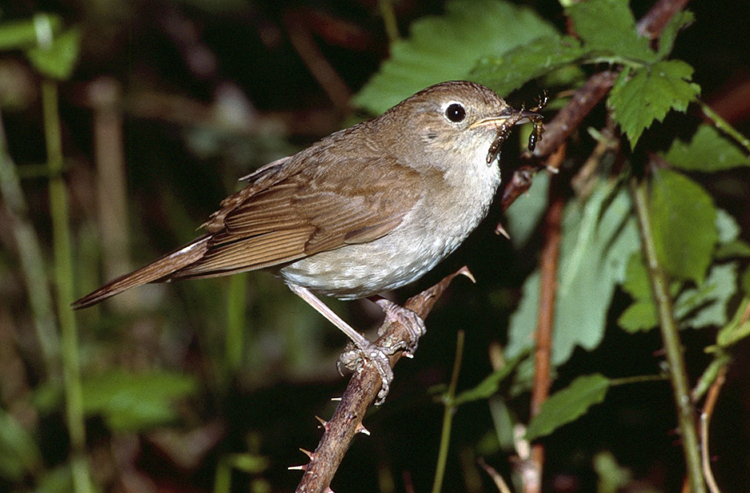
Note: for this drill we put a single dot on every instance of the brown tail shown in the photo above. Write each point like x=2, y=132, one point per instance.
x=159, y=270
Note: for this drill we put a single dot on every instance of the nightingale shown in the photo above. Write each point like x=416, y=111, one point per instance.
x=365, y=210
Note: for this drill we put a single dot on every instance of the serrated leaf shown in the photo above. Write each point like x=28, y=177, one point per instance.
x=538, y=58
x=132, y=402
x=58, y=60
x=683, y=221
x=650, y=94
x=447, y=47
x=490, y=384
x=598, y=239
x=708, y=151
x=639, y=316
x=608, y=26
x=677, y=23
x=568, y=404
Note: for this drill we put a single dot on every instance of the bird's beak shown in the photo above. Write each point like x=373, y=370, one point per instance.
x=517, y=117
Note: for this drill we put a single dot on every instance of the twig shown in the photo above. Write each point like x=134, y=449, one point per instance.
x=334, y=86
x=546, y=319
x=359, y=396
x=671, y=337
x=708, y=411
x=502, y=486
x=111, y=183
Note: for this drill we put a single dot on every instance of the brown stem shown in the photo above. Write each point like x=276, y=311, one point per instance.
x=359, y=396
x=545, y=322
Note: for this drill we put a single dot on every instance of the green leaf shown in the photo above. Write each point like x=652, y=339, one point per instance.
x=612, y=476
x=733, y=249
x=526, y=212
x=132, y=402
x=736, y=329
x=491, y=383
x=58, y=60
x=598, y=239
x=16, y=35
x=540, y=57
x=608, y=26
x=637, y=284
x=676, y=24
x=641, y=96
x=708, y=151
x=640, y=316
x=706, y=305
x=447, y=47
x=568, y=405
x=19, y=453
x=745, y=281
x=683, y=221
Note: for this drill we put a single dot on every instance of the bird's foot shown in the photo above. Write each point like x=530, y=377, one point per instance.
x=408, y=318
x=357, y=353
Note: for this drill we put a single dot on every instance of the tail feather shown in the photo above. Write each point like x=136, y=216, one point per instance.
x=159, y=270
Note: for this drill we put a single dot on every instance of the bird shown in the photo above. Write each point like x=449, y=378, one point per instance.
x=365, y=210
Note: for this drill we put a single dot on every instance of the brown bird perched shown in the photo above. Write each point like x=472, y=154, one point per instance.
x=364, y=210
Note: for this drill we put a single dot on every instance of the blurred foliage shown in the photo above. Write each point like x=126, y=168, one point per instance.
x=213, y=385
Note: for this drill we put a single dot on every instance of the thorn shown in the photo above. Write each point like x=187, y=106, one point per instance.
x=308, y=453
x=464, y=271
x=362, y=429
x=323, y=423
x=500, y=230
x=298, y=468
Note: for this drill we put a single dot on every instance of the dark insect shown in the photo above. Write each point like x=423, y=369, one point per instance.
x=504, y=130
x=536, y=133
x=502, y=134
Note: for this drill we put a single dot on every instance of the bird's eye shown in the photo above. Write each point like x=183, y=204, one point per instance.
x=455, y=113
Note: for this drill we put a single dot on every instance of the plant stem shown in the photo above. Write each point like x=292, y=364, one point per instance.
x=64, y=280
x=671, y=338
x=389, y=20
x=724, y=126
x=450, y=409
x=32, y=261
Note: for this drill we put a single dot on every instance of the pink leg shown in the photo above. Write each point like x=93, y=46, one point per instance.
x=370, y=351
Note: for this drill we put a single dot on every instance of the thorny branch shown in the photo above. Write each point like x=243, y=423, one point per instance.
x=359, y=396
x=364, y=386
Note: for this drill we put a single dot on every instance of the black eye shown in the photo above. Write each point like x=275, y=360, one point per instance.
x=455, y=113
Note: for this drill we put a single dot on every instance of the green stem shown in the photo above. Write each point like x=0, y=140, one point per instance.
x=32, y=261
x=724, y=126
x=64, y=280
x=236, y=319
x=450, y=409
x=671, y=338
x=389, y=20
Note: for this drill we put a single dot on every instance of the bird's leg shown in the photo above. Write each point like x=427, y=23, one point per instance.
x=350, y=359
